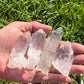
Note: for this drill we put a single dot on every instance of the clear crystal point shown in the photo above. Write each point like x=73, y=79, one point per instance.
x=64, y=58
x=16, y=58
x=49, y=52
x=36, y=48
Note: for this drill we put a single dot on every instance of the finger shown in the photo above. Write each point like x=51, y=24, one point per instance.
x=34, y=26
x=77, y=48
x=29, y=26
x=78, y=59
x=77, y=69
x=57, y=78
x=37, y=25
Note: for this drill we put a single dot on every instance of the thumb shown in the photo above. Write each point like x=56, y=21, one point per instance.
x=34, y=26
x=37, y=25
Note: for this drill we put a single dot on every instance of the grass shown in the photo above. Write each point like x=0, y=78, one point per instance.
x=66, y=13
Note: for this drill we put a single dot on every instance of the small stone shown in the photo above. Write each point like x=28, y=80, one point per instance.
x=49, y=52
x=36, y=48
x=64, y=58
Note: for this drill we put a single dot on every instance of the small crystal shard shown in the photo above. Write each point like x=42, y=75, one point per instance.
x=49, y=52
x=16, y=58
x=64, y=58
x=36, y=48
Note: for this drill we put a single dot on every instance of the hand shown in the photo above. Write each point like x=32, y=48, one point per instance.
x=8, y=37
x=77, y=67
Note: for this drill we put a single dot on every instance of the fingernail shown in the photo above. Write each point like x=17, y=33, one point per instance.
x=68, y=79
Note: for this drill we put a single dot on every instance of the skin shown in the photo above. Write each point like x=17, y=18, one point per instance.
x=8, y=37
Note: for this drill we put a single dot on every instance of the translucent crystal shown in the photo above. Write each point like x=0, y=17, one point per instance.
x=36, y=48
x=42, y=52
x=49, y=52
x=64, y=58
x=16, y=58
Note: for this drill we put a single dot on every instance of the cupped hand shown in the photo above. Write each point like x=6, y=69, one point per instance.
x=8, y=37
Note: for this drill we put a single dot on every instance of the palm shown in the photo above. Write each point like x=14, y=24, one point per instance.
x=8, y=37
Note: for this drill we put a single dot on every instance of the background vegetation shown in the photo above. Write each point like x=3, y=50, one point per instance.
x=68, y=14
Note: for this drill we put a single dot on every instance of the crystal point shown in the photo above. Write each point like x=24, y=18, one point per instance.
x=64, y=58
x=16, y=58
x=35, y=48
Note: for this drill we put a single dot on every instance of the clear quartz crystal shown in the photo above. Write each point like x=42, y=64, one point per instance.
x=42, y=52
x=16, y=58
x=64, y=58
x=49, y=52
x=36, y=48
